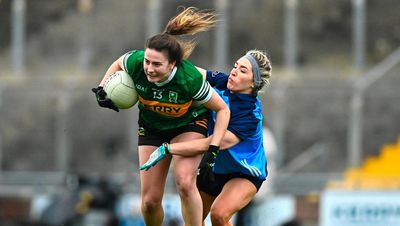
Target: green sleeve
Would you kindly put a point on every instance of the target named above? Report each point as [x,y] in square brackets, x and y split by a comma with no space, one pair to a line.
[133,61]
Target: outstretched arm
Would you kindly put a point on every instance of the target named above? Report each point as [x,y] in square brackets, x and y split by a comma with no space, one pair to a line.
[188,148]
[199,146]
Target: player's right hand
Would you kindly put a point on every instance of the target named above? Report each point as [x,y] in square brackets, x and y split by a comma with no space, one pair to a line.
[157,155]
[102,100]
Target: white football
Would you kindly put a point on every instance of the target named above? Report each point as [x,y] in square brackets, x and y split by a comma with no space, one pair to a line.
[121,90]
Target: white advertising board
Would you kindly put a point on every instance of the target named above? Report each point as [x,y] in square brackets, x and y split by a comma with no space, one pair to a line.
[360,208]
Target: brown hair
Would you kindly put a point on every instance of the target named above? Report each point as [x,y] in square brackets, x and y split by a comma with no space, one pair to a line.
[190,21]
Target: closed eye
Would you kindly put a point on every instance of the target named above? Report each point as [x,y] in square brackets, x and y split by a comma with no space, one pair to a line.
[243,69]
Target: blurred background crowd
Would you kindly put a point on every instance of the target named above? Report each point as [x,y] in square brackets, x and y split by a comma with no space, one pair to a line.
[332,112]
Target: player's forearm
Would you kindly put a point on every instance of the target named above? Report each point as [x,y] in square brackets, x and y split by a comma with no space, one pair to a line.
[190,148]
[116,66]
[221,123]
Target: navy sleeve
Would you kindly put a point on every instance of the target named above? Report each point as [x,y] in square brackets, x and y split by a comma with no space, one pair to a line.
[217,79]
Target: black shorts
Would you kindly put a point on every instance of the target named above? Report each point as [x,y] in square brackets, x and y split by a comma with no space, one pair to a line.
[153,137]
[214,188]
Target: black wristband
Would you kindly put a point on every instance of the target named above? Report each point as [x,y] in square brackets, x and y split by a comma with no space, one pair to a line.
[213,148]
[166,147]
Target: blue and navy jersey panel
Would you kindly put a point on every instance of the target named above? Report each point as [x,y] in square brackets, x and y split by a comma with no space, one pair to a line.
[248,155]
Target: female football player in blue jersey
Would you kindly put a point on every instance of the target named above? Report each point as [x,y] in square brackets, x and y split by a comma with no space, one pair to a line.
[229,179]
[173,107]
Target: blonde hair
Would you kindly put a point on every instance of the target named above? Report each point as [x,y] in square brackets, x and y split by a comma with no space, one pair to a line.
[264,64]
[189,22]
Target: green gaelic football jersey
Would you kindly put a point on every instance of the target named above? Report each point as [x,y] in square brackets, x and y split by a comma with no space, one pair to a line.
[172,103]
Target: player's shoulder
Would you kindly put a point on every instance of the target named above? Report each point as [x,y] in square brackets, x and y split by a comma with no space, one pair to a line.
[188,67]
[134,54]
[217,79]
[133,60]
[216,74]
[188,72]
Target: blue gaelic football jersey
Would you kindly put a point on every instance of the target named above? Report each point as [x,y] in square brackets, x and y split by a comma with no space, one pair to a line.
[248,155]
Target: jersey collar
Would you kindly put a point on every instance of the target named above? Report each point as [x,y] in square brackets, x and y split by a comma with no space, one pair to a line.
[170,77]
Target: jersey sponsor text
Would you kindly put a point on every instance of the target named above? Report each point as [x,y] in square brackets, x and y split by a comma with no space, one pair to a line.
[167,109]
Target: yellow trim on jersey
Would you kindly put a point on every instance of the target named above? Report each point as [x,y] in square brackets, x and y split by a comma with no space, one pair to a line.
[202,122]
[167,109]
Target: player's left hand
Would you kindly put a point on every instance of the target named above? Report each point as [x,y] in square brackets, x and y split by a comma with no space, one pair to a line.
[156,156]
[207,163]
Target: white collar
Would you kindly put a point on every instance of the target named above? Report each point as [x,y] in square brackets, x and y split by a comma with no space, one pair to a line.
[170,77]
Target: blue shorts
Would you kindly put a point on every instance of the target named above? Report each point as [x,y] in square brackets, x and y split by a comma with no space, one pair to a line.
[214,188]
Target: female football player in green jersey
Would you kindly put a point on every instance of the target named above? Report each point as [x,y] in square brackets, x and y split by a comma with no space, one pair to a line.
[173,107]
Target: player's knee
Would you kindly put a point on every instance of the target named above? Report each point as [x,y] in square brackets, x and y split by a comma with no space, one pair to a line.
[150,205]
[219,216]
[185,186]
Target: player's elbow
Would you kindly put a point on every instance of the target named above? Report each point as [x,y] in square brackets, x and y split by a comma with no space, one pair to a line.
[224,111]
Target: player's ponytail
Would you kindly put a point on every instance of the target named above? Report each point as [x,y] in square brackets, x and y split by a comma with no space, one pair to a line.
[189,22]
